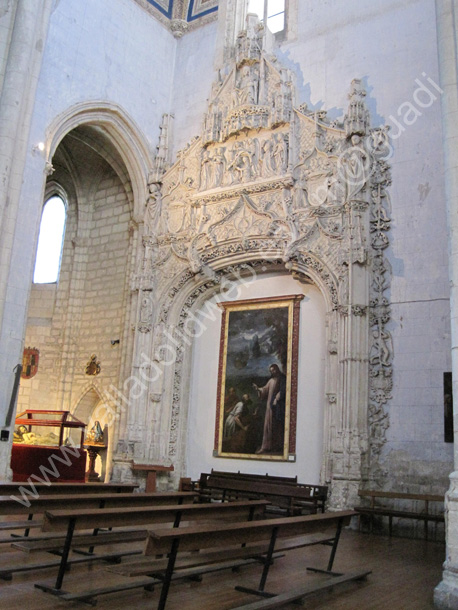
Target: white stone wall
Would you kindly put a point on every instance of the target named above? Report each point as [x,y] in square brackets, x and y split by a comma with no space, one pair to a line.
[91,58]
[7,12]
[98,308]
[110,51]
[194,68]
[114,52]
[310,399]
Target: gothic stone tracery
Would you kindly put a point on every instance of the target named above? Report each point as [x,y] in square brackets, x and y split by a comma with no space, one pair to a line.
[270,183]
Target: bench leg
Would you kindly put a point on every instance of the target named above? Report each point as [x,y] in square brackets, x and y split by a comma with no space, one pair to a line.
[65,553]
[168,574]
[63,562]
[335,542]
[334,545]
[267,563]
[29,518]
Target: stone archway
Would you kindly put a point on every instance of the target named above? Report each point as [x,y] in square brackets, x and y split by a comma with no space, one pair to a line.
[266,184]
[94,147]
[90,409]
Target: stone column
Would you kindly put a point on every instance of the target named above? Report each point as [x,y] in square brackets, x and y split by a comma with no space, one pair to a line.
[23,59]
[23,65]
[446,593]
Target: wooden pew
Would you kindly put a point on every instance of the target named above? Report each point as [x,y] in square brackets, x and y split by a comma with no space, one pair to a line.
[8,487]
[70,520]
[204,489]
[237,539]
[256,477]
[423,513]
[10,506]
[292,498]
[228,550]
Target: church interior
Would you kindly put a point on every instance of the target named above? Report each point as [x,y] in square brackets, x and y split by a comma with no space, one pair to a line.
[211,225]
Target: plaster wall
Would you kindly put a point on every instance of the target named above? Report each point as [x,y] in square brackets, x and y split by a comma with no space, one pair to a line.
[310,399]
[110,51]
[194,74]
[391,46]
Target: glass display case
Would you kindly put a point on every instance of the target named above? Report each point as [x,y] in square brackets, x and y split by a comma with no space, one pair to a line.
[48,428]
[51,440]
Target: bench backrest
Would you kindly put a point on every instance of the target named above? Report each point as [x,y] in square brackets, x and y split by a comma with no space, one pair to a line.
[8,487]
[55,521]
[265,488]
[203,537]
[10,506]
[394,495]
[255,477]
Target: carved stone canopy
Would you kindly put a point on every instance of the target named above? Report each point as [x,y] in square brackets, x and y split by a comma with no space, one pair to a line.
[270,181]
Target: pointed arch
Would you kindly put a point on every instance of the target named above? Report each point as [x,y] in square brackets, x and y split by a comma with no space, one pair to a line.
[120,130]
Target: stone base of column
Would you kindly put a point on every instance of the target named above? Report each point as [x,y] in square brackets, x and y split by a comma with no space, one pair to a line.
[446,592]
[6,474]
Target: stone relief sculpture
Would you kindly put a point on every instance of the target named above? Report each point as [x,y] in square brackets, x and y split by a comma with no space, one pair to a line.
[270,185]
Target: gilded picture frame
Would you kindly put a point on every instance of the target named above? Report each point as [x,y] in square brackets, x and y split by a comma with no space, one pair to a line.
[257,379]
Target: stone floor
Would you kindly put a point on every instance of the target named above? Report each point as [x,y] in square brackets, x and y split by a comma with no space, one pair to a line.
[404,574]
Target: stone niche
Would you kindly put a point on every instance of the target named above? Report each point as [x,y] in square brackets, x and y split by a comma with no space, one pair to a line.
[268,186]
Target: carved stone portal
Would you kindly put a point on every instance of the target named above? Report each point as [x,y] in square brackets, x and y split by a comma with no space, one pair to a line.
[268,185]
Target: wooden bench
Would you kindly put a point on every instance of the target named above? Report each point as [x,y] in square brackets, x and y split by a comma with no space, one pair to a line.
[8,487]
[203,488]
[235,545]
[10,506]
[259,539]
[256,477]
[46,541]
[422,513]
[69,521]
[289,497]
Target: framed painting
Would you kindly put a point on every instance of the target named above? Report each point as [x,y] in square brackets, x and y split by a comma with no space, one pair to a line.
[257,379]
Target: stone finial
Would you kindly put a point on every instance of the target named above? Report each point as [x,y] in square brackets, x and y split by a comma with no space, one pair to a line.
[357,119]
[249,42]
[161,159]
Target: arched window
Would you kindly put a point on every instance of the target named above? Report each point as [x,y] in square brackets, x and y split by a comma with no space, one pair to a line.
[50,240]
[271,12]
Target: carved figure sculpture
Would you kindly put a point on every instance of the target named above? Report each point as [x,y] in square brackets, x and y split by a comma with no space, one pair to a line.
[206,170]
[219,166]
[266,158]
[280,153]
[153,208]
[380,353]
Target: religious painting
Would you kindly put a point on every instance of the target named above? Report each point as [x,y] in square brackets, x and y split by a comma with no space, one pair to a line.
[257,379]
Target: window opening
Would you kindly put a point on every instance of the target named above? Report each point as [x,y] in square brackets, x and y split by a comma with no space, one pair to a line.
[271,12]
[50,241]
